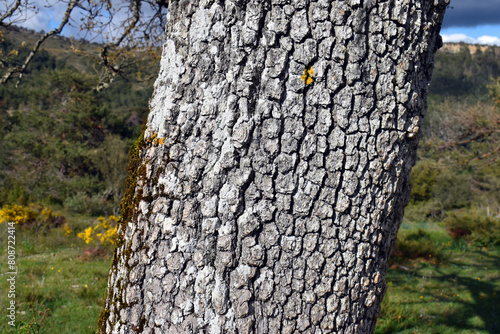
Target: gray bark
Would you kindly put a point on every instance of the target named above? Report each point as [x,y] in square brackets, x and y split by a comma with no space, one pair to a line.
[260,203]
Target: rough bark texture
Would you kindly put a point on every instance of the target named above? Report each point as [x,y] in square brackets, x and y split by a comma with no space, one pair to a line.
[258,202]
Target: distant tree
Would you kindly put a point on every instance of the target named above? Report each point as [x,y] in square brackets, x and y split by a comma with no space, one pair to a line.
[111,160]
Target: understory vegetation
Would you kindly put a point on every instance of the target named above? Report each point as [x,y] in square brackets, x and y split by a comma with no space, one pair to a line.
[444,275]
[63,164]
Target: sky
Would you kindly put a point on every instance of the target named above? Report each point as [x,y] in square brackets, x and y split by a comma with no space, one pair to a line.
[49,13]
[470,21]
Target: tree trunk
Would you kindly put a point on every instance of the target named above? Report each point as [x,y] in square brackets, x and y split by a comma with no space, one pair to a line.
[267,189]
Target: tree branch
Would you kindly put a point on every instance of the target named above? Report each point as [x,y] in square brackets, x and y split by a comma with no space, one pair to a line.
[466,141]
[486,154]
[136,8]
[9,13]
[27,61]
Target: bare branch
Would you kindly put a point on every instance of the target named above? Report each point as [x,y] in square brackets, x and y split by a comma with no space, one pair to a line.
[9,13]
[486,154]
[141,30]
[136,8]
[27,61]
[478,136]
[17,12]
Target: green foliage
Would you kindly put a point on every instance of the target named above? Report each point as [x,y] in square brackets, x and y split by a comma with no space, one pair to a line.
[423,177]
[458,167]
[476,227]
[110,160]
[415,244]
[84,203]
[494,88]
[459,72]
[452,189]
[64,144]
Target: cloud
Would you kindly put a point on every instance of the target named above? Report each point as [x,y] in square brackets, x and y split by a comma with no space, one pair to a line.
[43,17]
[471,13]
[489,40]
[37,23]
[457,38]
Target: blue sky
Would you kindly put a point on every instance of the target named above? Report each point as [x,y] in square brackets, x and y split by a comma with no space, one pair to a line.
[471,21]
[483,34]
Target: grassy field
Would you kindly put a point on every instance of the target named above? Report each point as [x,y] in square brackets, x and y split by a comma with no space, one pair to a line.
[61,284]
[459,292]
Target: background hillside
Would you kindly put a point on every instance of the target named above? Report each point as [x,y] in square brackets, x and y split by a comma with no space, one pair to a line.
[63,164]
[65,145]
[62,143]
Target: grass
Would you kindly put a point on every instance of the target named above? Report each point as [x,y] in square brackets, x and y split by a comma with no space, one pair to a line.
[60,287]
[458,293]
[61,284]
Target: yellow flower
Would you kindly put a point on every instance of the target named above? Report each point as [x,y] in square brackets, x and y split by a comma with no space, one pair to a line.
[26,214]
[46,212]
[86,235]
[104,232]
[67,230]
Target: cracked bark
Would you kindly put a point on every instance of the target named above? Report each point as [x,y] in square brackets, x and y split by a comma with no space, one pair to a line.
[260,203]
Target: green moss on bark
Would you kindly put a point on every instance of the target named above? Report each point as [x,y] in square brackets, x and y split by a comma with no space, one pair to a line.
[136,171]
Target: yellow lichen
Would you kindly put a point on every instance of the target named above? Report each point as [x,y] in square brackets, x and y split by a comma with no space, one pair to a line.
[154,140]
[307,76]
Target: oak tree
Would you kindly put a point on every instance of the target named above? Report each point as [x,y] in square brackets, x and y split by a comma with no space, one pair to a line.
[271,178]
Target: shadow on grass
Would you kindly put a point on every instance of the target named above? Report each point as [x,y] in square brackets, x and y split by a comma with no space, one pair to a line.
[469,299]
[485,297]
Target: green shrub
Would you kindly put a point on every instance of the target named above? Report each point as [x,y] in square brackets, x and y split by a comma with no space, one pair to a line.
[416,244]
[453,190]
[423,179]
[494,88]
[476,228]
[436,188]
[424,211]
[93,205]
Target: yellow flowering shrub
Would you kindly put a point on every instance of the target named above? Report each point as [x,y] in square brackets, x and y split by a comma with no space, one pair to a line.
[103,233]
[67,230]
[31,216]
[17,213]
